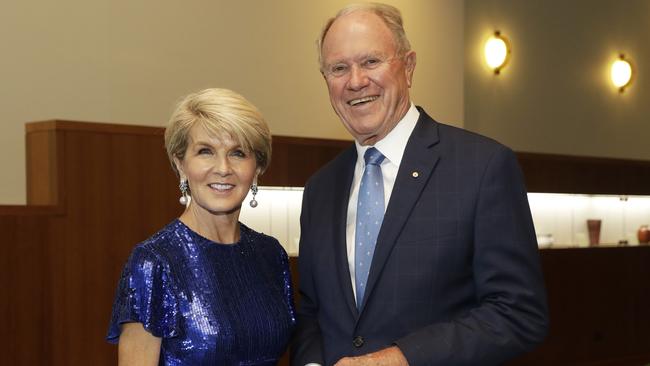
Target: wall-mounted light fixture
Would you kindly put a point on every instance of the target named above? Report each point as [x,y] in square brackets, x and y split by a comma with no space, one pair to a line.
[497,52]
[621,73]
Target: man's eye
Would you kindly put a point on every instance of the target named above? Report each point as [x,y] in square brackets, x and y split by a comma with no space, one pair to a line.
[338,69]
[371,62]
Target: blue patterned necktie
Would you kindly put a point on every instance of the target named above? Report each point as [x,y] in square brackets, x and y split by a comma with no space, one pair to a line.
[370,214]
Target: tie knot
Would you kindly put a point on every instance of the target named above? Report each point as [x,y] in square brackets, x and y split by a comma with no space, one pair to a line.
[373,156]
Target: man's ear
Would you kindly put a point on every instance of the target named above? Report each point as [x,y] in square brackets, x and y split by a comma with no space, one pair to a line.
[410,61]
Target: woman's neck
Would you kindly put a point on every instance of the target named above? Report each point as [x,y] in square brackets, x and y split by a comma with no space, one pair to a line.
[222,228]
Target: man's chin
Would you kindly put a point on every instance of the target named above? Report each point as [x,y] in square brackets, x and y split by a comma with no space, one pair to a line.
[369,138]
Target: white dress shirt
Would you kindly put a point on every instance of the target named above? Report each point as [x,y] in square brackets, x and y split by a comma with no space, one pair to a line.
[392,147]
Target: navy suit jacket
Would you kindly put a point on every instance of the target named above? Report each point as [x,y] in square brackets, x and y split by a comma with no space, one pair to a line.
[455,278]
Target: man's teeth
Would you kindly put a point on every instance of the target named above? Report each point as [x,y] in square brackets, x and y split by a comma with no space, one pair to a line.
[221,187]
[362,100]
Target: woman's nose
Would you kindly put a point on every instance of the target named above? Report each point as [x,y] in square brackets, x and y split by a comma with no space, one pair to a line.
[222,165]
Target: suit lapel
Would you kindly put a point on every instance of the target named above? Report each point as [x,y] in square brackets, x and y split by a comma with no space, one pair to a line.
[342,193]
[417,164]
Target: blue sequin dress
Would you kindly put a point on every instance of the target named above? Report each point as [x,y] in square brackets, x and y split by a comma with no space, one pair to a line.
[212,304]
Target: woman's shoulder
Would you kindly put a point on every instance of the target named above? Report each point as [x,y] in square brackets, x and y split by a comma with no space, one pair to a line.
[261,240]
[160,245]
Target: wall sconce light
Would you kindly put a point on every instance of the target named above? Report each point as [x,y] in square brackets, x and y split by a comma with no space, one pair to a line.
[497,52]
[621,73]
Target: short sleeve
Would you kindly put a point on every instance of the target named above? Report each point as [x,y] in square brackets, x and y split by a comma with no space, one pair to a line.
[145,295]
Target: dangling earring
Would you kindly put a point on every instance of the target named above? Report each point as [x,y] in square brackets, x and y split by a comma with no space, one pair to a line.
[253,202]
[185,197]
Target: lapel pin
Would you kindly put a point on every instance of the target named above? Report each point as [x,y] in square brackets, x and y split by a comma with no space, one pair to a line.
[415,174]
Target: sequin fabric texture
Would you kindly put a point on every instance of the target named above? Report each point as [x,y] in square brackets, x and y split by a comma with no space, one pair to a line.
[211,303]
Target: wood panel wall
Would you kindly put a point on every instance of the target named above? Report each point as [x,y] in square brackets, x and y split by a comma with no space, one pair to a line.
[102,189]
[95,190]
[588,175]
[599,303]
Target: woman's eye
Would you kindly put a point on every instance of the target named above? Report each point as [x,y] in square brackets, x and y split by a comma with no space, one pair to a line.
[239,153]
[204,150]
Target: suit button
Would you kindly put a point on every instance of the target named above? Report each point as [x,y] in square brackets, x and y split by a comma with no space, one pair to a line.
[357,341]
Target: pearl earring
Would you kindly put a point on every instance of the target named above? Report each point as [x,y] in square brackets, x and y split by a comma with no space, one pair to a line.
[253,202]
[185,197]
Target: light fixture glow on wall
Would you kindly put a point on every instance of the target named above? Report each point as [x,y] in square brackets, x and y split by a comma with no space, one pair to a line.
[621,73]
[497,52]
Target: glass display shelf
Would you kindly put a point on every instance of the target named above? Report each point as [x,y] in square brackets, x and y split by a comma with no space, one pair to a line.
[560,219]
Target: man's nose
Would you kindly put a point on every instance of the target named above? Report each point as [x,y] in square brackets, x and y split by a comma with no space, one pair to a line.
[358,78]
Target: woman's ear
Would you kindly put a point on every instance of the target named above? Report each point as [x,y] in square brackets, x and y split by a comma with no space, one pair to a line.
[179,167]
[258,170]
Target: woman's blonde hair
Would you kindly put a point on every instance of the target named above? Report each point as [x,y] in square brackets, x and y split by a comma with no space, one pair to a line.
[219,111]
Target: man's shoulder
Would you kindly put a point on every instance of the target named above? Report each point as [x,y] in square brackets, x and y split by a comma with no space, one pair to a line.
[452,137]
[461,135]
[456,145]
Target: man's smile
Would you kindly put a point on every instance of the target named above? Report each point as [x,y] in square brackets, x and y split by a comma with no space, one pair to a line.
[362,100]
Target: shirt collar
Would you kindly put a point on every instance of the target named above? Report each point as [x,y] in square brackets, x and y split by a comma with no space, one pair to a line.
[393,145]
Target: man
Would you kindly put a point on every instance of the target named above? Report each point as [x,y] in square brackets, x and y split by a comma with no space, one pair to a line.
[417,243]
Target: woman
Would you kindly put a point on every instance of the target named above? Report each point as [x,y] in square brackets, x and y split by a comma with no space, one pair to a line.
[206,289]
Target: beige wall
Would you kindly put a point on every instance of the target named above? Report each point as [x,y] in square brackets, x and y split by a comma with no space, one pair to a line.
[555,96]
[129,61]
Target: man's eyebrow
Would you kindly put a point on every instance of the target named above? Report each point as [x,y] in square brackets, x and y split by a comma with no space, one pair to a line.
[356,58]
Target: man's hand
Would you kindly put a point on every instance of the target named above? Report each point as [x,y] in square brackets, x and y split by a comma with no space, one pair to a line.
[391,356]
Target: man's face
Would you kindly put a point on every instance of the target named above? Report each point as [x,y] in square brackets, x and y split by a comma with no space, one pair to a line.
[368,81]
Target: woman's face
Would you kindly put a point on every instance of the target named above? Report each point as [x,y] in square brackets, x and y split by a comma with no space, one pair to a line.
[219,172]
